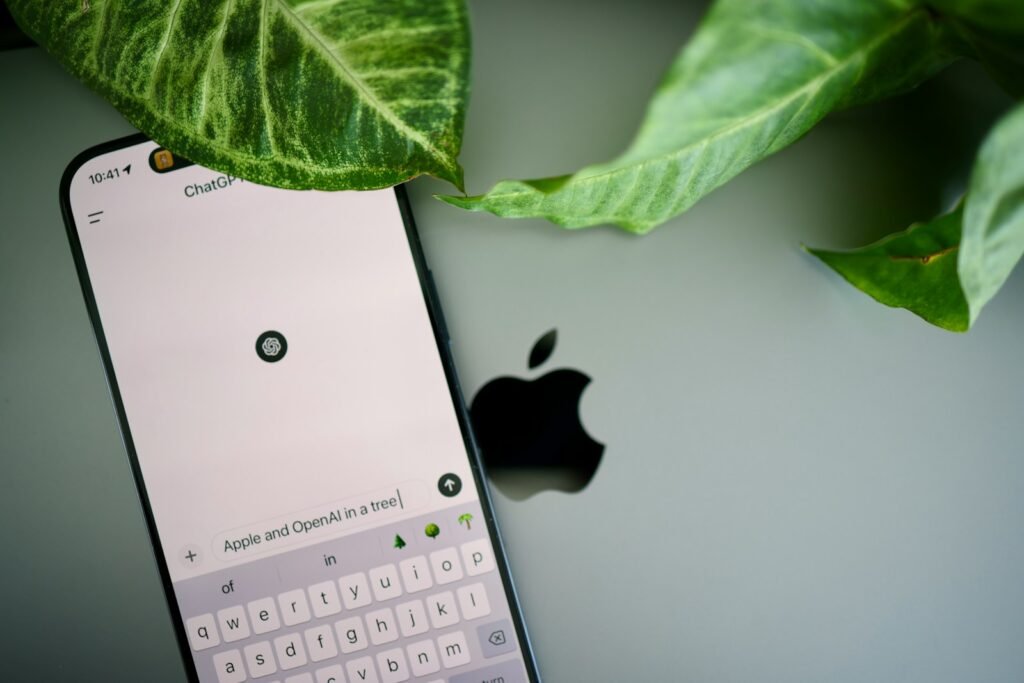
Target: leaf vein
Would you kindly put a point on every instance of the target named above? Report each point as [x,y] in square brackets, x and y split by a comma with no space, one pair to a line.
[795,39]
[367,93]
[264,94]
[410,31]
[215,49]
[161,51]
[97,40]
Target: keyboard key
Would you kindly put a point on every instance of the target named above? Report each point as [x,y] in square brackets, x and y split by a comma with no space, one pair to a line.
[361,671]
[415,574]
[442,610]
[446,566]
[478,557]
[320,643]
[294,608]
[381,626]
[233,624]
[299,678]
[330,674]
[385,582]
[509,671]
[454,649]
[228,666]
[202,632]
[324,598]
[263,614]
[392,666]
[351,634]
[412,618]
[473,601]
[496,638]
[259,657]
[355,592]
[423,658]
[290,652]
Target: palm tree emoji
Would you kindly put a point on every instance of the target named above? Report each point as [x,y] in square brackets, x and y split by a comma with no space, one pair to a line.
[466,519]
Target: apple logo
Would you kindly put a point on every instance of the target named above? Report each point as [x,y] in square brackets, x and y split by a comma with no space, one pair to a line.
[529,431]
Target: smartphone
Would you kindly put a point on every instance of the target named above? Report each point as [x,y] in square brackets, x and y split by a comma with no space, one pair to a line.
[281,374]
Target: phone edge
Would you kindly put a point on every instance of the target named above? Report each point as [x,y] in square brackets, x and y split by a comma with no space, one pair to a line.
[114,391]
[441,338]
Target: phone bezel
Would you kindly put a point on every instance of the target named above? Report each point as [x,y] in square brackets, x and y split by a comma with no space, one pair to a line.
[439,328]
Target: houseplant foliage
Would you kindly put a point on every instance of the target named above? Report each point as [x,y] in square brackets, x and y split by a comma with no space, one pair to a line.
[358,94]
[947,269]
[755,77]
[327,94]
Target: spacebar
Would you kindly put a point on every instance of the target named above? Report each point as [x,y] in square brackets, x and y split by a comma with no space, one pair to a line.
[504,672]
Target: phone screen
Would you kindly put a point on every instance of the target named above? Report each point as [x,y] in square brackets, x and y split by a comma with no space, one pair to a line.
[289,412]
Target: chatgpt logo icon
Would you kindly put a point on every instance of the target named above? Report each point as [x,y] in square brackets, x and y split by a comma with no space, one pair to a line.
[271,346]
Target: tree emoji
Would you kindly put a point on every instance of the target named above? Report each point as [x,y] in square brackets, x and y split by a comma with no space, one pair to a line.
[466,519]
[432,530]
[399,542]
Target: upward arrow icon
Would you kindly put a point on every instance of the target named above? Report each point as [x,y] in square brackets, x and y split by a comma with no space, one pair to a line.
[449,485]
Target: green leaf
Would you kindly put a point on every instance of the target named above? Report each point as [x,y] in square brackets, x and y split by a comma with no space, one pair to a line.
[947,270]
[914,269]
[757,75]
[327,94]
[993,232]
[997,16]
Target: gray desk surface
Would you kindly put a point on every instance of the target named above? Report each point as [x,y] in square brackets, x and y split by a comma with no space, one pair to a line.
[799,484]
